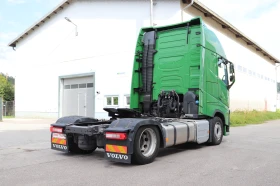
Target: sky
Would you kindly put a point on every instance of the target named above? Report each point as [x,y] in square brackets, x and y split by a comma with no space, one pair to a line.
[15,17]
[257,19]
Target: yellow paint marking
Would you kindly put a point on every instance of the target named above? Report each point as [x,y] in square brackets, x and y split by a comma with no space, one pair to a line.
[116,148]
[121,149]
[111,148]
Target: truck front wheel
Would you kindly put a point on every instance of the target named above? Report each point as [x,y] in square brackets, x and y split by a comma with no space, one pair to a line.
[146,145]
[217,130]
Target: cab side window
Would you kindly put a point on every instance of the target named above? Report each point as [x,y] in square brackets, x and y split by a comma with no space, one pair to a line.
[222,72]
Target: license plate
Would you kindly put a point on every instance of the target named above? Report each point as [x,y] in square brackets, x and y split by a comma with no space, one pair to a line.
[59,142]
[123,158]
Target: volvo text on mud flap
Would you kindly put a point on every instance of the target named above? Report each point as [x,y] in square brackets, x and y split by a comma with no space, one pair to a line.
[124,158]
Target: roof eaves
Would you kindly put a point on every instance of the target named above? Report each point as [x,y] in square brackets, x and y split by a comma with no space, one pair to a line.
[40,22]
[196,4]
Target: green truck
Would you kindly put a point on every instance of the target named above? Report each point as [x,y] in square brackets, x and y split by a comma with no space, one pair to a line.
[179,94]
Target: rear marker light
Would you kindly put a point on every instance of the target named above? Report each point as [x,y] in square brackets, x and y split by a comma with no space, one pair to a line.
[116,135]
[55,129]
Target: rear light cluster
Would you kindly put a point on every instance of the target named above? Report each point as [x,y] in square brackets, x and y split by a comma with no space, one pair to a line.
[56,129]
[116,135]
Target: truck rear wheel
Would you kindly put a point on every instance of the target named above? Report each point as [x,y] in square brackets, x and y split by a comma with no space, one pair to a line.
[217,130]
[146,145]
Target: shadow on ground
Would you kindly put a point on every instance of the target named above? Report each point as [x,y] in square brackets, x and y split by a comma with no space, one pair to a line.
[179,148]
[100,156]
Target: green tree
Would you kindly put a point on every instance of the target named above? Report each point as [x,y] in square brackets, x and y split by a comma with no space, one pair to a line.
[6,88]
[3,83]
[9,93]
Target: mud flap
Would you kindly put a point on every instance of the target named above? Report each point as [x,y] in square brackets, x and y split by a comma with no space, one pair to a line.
[59,142]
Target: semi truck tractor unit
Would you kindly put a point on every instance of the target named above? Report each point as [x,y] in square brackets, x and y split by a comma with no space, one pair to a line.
[179,94]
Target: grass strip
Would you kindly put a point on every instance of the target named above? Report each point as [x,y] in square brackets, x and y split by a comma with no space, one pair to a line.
[242,118]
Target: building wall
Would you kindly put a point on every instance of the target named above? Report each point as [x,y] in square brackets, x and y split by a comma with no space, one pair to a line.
[107,31]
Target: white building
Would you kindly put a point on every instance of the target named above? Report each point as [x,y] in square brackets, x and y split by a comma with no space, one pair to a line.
[63,69]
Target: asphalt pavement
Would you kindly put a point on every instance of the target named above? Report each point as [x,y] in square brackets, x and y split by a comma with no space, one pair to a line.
[249,156]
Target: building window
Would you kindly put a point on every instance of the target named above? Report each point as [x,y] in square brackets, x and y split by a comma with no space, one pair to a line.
[127,100]
[74,86]
[83,85]
[240,68]
[112,100]
[89,85]
[66,86]
[250,72]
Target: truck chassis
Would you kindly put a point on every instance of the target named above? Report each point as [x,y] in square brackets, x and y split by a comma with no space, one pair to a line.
[133,139]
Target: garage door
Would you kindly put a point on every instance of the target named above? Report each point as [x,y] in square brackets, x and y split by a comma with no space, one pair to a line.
[78,96]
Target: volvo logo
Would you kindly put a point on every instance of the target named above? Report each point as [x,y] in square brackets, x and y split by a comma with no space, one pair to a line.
[59,146]
[117,156]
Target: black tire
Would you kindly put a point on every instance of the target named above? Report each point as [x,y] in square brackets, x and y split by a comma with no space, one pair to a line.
[216,125]
[73,148]
[141,157]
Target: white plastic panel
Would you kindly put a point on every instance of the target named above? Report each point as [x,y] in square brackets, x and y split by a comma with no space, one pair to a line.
[169,135]
[202,131]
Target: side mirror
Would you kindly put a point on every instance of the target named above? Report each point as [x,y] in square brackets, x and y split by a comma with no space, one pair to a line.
[231,68]
[232,75]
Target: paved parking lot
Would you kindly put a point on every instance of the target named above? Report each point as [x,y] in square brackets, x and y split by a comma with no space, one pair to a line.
[249,156]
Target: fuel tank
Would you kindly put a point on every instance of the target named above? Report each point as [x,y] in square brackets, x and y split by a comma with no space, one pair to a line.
[183,131]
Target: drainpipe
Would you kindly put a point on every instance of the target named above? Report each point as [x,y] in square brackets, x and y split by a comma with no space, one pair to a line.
[151,13]
[276,66]
[185,9]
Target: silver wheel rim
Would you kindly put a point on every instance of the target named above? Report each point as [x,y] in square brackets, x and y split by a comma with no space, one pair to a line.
[147,142]
[218,131]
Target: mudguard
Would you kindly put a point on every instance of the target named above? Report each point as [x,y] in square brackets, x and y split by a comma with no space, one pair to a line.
[131,125]
[61,141]
[63,121]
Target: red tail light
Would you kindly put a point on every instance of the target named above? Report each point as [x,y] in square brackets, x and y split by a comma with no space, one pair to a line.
[116,135]
[55,129]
